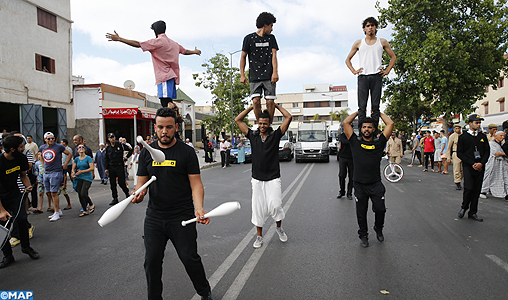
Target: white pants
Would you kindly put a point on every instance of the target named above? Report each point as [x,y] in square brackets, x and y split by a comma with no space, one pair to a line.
[266,201]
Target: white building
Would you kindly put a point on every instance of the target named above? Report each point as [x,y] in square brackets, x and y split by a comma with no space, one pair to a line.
[35,67]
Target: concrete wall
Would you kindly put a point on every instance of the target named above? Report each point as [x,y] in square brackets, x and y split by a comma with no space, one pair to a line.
[89,129]
[20,39]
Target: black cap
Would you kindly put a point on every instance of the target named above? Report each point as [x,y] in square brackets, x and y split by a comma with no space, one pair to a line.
[474,117]
[111,135]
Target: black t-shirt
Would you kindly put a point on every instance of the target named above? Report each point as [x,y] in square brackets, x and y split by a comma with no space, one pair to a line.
[265,155]
[9,172]
[345,148]
[259,50]
[367,158]
[171,193]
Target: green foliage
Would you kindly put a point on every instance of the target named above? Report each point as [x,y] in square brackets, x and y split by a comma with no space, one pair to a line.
[340,115]
[217,78]
[447,52]
[316,117]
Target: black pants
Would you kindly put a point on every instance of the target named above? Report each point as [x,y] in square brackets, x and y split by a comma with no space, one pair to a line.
[472,188]
[224,158]
[376,192]
[373,84]
[416,154]
[346,168]
[165,101]
[12,205]
[117,172]
[429,155]
[33,193]
[157,233]
[82,189]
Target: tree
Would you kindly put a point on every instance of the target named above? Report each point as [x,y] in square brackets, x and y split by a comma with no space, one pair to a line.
[447,53]
[316,117]
[217,78]
[340,115]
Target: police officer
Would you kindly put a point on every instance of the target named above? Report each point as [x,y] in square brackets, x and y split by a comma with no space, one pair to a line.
[474,151]
[114,161]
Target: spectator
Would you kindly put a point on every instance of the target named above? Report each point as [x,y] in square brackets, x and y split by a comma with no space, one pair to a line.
[99,163]
[82,170]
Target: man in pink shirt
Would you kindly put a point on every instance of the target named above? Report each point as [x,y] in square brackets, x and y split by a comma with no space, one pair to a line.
[164,53]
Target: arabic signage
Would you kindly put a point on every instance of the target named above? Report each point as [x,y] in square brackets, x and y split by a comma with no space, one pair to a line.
[119,113]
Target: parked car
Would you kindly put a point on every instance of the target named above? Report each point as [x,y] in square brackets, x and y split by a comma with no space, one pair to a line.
[286,147]
[233,157]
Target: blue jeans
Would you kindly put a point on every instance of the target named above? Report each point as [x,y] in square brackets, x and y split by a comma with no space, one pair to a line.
[372,83]
[158,231]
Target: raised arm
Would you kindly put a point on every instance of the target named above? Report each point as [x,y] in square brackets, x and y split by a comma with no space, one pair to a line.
[348,129]
[114,37]
[389,125]
[287,118]
[239,120]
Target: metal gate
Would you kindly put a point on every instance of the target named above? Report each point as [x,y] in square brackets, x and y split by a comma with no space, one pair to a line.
[62,123]
[32,122]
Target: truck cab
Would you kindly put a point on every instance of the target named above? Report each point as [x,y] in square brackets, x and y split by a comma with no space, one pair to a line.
[312,142]
[286,146]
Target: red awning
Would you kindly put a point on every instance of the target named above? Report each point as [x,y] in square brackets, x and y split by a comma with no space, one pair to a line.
[119,113]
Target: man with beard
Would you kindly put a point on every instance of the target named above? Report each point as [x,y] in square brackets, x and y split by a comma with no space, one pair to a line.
[13,164]
[114,162]
[266,183]
[164,53]
[370,73]
[367,151]
[176,195]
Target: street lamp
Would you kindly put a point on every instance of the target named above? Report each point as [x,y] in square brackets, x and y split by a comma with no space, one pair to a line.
[231,78]
[332,105]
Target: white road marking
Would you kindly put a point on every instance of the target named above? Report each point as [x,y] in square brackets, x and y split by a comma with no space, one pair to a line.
[228,262]
[498,261]
[235,289]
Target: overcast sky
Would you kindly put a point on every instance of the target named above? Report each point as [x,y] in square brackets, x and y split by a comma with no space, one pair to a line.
[314,38]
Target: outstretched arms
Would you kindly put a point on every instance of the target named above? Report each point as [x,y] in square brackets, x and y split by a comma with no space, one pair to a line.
[114,37]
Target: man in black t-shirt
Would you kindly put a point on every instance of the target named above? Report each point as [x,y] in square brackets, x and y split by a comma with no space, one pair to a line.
[14,164]
[346,167]
[176,195]
[261,47]
[266,184]
[367,151]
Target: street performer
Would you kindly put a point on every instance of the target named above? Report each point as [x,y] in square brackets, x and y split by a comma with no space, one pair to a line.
[367,152]
[176,195]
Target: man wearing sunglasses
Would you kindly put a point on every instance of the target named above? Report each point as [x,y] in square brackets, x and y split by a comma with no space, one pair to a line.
[53,176]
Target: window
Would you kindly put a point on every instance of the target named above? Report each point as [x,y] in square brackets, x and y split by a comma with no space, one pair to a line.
[338,104]
[486,109]
[46,19]
[501,82]
[487,89]
[44,64]
[501,106]
[295,104]
[309,104]
[323,104]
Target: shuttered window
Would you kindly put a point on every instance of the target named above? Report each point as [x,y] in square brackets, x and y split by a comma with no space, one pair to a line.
[44,64]
[46,19]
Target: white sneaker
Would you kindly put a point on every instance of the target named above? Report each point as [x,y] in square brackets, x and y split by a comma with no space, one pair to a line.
[59,212]
[483,196]
[282,235]
[56,217]
[51,216]
[258,242]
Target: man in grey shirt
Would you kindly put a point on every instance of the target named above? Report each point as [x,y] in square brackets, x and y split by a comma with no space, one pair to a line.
[416,151]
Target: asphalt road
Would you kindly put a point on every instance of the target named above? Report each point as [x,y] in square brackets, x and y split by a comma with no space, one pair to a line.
[428,253]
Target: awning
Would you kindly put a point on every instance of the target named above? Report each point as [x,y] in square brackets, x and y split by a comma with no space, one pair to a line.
[500,99]
[117,110]
[146,113]
[485,103]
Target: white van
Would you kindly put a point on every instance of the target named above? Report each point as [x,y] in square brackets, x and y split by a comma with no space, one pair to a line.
[312,141]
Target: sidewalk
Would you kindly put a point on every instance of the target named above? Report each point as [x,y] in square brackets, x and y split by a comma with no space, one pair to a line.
[204,165]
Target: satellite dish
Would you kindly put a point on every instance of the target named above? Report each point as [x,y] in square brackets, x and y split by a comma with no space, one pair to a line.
[129,84]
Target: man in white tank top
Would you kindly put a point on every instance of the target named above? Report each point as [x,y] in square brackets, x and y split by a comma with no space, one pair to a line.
[371,71]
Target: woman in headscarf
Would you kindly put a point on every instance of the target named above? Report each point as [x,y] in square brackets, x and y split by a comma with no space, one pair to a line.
[496,169]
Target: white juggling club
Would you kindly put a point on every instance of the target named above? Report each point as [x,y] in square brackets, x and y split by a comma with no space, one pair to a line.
[221,210]
[114,212]
[157,155]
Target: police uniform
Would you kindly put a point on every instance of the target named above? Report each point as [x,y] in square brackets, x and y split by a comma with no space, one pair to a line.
[114,164]
[451,154]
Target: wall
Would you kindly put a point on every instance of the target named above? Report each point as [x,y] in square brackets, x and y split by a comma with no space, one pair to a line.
[89,129]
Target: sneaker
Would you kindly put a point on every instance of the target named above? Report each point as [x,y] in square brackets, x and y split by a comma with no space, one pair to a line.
[31,252]
[258,242]
[55,217]
[14,241]
[282,235]
[31,232]
[51,216]
[59,213]
[483,195]
[379,234]
[364,241]
[207,297]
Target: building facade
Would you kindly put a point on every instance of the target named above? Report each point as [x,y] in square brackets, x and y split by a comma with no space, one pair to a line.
[492,106]
[35,67]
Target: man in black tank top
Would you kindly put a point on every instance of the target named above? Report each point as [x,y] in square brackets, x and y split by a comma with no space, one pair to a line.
[370,72]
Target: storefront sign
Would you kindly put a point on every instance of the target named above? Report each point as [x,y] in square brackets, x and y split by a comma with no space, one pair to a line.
[119,113]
